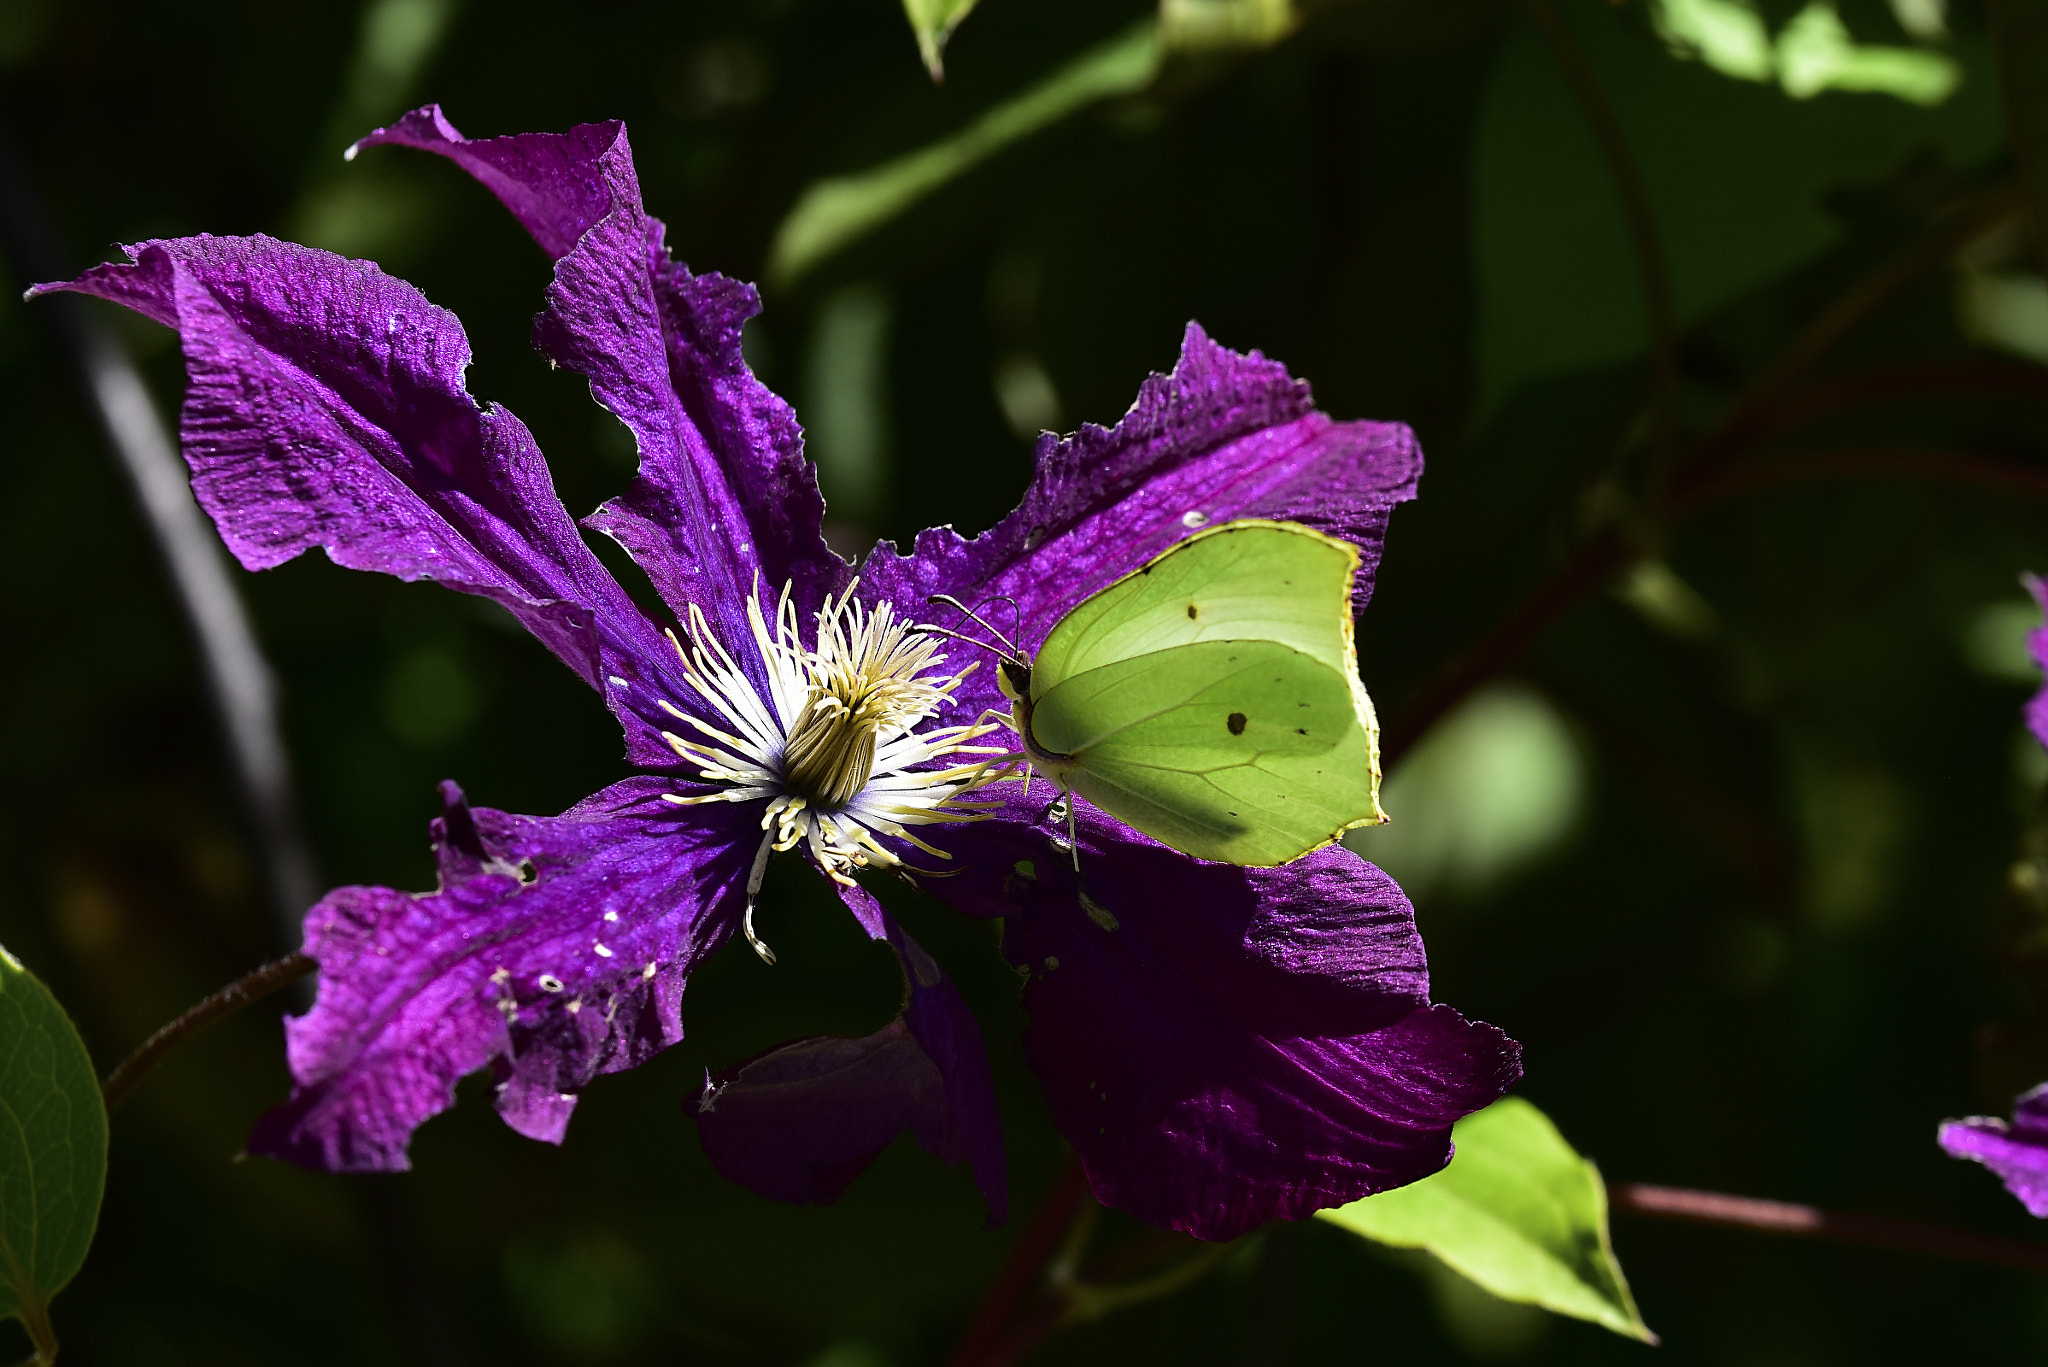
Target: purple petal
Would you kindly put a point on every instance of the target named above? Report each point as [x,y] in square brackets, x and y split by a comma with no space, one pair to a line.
[555,949]
[2037,643]
[327,408]
[1223,437]
[1225,1046]
[800,1122]
[723,489]
[2022,1164]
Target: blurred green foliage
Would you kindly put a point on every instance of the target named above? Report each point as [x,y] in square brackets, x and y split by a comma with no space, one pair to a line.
[1777,944]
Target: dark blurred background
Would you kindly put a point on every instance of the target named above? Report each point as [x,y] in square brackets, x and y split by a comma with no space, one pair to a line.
[1728,848]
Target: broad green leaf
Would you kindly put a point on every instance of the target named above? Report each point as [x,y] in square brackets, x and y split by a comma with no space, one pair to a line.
[1518,1212]
[834,212]
[53,1147]
[933,21]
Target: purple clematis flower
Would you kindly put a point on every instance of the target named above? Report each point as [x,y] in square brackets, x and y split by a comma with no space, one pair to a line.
[2018,1152]
[1221,1045]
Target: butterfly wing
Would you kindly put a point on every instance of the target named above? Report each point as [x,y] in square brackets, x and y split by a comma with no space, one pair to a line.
[1249,752]
[1251,580]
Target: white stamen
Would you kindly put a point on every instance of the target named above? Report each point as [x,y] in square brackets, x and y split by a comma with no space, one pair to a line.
[833,748]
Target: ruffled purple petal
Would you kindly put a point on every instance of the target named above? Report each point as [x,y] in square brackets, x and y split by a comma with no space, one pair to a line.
[723,489]
[1225,1046]
[800,1122]
[327,408]
[1224,436]
[2018,1152]
[555,949]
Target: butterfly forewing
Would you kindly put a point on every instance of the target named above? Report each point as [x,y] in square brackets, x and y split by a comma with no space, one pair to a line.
[1249,580]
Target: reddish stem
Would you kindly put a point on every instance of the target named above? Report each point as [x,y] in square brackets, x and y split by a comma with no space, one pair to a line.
[218,1007]
[1811,1222]
[1021,1271]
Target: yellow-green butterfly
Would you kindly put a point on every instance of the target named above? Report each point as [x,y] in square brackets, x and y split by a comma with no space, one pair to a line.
[1210,698]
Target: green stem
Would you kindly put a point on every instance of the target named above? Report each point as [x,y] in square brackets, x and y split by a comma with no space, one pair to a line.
[35,1317]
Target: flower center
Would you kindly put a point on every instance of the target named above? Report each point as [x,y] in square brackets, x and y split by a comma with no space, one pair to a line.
[864,679]
[834,747]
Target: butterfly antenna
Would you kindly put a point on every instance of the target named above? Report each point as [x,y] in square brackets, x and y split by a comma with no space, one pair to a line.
[950,601]
[1016,617]
[971,640]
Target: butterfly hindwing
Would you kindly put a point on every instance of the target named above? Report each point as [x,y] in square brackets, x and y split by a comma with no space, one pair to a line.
[1248,752]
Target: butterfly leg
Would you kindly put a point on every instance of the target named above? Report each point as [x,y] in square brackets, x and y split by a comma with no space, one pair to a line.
[1062,808]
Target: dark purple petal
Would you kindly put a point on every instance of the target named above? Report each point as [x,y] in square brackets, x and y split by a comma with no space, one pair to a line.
[555,949]
[1225,1046]
[2018,1152]
[800,1122]
[723,489]
[1223,437]
[327,408]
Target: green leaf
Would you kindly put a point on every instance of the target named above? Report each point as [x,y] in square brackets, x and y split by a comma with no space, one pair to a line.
[1518,1212]
[53,1150]
[834,212]
[933,21]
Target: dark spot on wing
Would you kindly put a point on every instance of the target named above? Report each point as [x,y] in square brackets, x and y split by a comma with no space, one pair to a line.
[1235,721]
[1301,730]
[1191,612]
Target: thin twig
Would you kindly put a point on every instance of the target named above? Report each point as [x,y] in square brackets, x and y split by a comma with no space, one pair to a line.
[1658,310]
[1942,467]
[1811,1222]
[238,679]
[218,1007]
[1747,422]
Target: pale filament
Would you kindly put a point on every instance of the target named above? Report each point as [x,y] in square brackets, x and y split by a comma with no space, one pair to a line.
[833,747]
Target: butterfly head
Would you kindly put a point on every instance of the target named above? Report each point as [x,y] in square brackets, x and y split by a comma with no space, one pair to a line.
[1013,666]
[1013,677]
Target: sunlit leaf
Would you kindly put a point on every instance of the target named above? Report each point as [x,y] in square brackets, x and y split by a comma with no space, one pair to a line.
[1728,35]
[1519,1212]
[836,211]
[1192,25]
[1816,53]
[933,21]
[53,1148]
